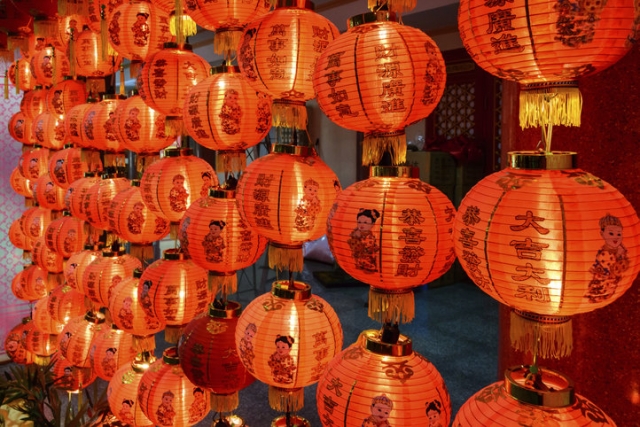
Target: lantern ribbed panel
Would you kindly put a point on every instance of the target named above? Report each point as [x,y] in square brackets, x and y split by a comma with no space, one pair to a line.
[492,406]
[77,264]
[49,66]
[34,221]
[127,312]
[60,36]
[73,124]
[48,194]
[33,102]
[168,398]
[21,185]
[98,199]
[312,324]
[359,383]
[93,12]
[26,81]
[174,290]
[71,378]
[40,343]
[99,129]
[217,238]
[75,339]
[45,323]
[66,235]
[228,15]
[379,77]
[546,41]
[224,112]
[286,197]
[130,218]
[110,350]
[64,303]
[166,5]
[45,258]
[106,272]
[65,95]
[69,165]
[31,284]
[17,236]
[90,60]
[14,345]
[141,128]
[35,163]
[74,197]
[20,128]
[138,30]
[532,240]
[123,397]
[168,75]
[278,51]
[170,185]
[48,130]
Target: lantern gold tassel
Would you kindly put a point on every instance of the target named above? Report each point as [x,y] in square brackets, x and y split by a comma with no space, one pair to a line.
[397,306]
[41,360]
[45,28]
[547,336]
[142,252]
[285,257]
[6,85]
[227,283]
[285,399]
[226,40]
[375,145]
[224,402]
[104,32]
[142,343]
[174,125]
[290,114]
[399,6]
[72,53]
[550,105]
[172,334]
[188,26]
[231,161]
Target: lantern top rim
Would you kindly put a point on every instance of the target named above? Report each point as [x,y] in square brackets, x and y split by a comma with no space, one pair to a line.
[111,97]
[561,393]
[534,160]
[232,310]
[296,150]
[174,45]
[178,152]
[174,255]
[66,213]
[299,4]
[170,356]
[296,291]
[142,362]
[137,273]
[94,317]
[135,183]
[371,17]
[221,193]
[371,340]
[93,246]
[390,171]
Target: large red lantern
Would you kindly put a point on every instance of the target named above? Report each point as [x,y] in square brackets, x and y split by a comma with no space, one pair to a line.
[373,382]
[21,185]
[14,344]
[65,95]
[70,164]
[105,272]
[378,78]
[550,241]
[91,61]
[167,397]
[285,196]
[66,235]
[286,338]
[219,240]
[71,378]
[44,322]
[65,303]
[123,391]
[40,335]
[75,339]
[17,236]
[78,263]
[99,129]
[547,46]
[45,258]
[20,128]
[516,401]
[110,350]
[48,130]
[48,194]
[35,163]
[49,66]
[34,102]
[34,221]
[32,283]
[98,198]
[22,77]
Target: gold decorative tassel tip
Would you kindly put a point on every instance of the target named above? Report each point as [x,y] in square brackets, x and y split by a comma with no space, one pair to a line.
[174,229]
[174,125]
[6,85]
[290,114]
[286,400]
[172,334]
[46,27]
[399,6]
[42,360]
[391,306]
[140,343]
[226,41]
[227,283]
[375,145]
[231,161]
[285,257]
[104,32]
[188,26]
[545,336]
[550,105]
[224,402]
[142,252]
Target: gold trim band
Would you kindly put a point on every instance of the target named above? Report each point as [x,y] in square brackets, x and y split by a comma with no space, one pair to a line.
[371,17]
[560,391]
[170,356]
[390,171]
[533,160]
[231,311]
[372,341]
[300,291]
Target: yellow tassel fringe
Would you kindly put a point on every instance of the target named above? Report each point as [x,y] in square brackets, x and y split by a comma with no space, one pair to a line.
[391,306]
[142,252]
[555,339]
[375,145]
[286,400]
[140,343]
[224,402]
[231,161]
[289,114]
[72,53]
[174,125]
[222,282]
[188,28]
[75,7]
[225,42]
[172,334]
[285,258]
[6,85]
[41,360]
[45,27]
[104,33]
[550,106]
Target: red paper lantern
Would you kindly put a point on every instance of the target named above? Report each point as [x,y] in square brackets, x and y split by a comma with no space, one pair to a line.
[123,392]
[20,128]
[171,184]
[35,163]
[41,333]
[44,322]
[78,263]
[372,382]
[90,59]
[75,339]
[111,349]
[34,283]
[167,397]
[67,25]
[21,75]
[17,236]
[66,235]
[45,258]
[174,290]
[65,95]
[208,355]
[48,130]
[73,124]
[286,338]
[71,378]
[49,66]
[34,221]
[14,345]
[48,194]
[34,102]
[550,241]
[546,46]
[65,303]
[99,129]
[217,239]
[141,128]
[21,185]
[99,11]
[224,113]
[74,197]
[378,78]
[69,165]
[285,196]
[106,272]
[98,199]
[514,402]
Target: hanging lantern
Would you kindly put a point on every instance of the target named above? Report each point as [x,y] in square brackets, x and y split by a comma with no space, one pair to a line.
[22,77]
[110,350]
[65,95]
[78,263]
[220,240]
[141,128]
[45,258]
[99,125]
[378,78]
[48,194]
[224,113]
[285,196]
[14,345]
[167,397]
[278,52]
[98,13]
[123,391]
[547,47]
[70,164]
[174,290]
[70,377]
[21,185]
[34,221]
[42,344]
[73,124]
[208,355]
[75,339]
[48,130]
[66,27]
[34,102]
[550,241]
[66,235]
[286,338]
[18,238]
[170,185]
[49,66]
[43,322]
[65,303]
[106,272]
[20,129]
[91,61]
[373,382]
[35,163]
[516,400]
[32,284]
[98,198]
[128,314]
[74,197]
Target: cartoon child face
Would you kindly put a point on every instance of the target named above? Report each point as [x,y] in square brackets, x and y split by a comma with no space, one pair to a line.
[612,235]
[310,190]
[282,348]
[178,182]
[249,334]
[167,400]
[214,229]
[133,113]
[141,19]
[126,304]
[138,208]
[434,417]
[125,406]
[12,346]
[206,181]
[364,223]
[380,411]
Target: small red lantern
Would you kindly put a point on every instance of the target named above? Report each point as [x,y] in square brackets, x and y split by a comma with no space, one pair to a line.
[49,66]
[45,258]
[167,397]
[18,238]
[48,130]
[141,128]
[48,194]
[66,27]
[65,303]
[71,378]
[378,78]
[20,129]
[66,235]
[285,196]
[73,122]
[43,321]
[98,198]
[217,369]
[74,197]
[91,61]
[14,344]
[174,290]
[373,382]
[123,392]
[35,163]
[34,221]
[21,185]
[286,338]
[40,342]
[78,263]
[99,129]
[106,272]
[110,350]
[34,102]
[31,284]
[69,165]
[171,184]
[75,339]
[65,95]
[22,77]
